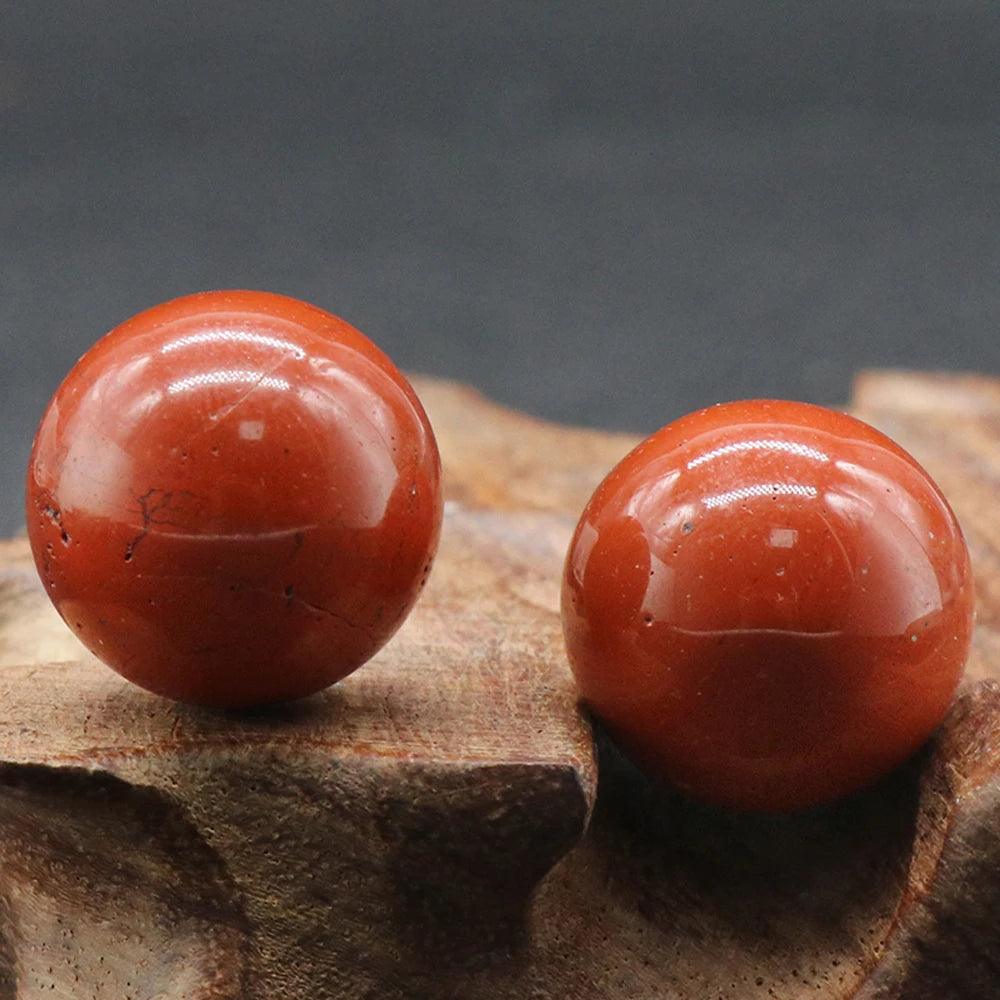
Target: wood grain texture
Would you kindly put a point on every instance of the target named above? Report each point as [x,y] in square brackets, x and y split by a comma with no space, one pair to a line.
[418,831]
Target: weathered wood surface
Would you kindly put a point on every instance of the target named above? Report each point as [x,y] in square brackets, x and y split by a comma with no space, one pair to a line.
[415,832]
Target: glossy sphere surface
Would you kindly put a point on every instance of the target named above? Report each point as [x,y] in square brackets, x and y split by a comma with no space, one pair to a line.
[234,498]
[769,604]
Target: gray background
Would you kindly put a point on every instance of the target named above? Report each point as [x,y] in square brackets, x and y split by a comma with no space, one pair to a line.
[607,214]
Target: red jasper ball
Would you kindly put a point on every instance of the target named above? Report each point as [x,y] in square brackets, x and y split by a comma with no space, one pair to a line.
[768,604]
[234,498]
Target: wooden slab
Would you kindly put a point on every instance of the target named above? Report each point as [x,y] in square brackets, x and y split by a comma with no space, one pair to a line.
[418,831]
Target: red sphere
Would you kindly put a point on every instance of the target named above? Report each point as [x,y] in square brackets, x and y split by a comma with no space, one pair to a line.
[768,604]
[234,498]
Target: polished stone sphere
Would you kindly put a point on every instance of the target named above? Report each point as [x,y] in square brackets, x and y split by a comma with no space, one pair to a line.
[234,498]
[768,604]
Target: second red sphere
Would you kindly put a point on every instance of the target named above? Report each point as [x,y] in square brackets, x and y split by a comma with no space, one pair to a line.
[769,604]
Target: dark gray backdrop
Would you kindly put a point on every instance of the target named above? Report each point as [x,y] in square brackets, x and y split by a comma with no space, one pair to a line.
[602,213]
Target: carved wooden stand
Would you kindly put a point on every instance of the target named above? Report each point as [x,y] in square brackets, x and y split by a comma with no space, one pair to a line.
[421,830]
